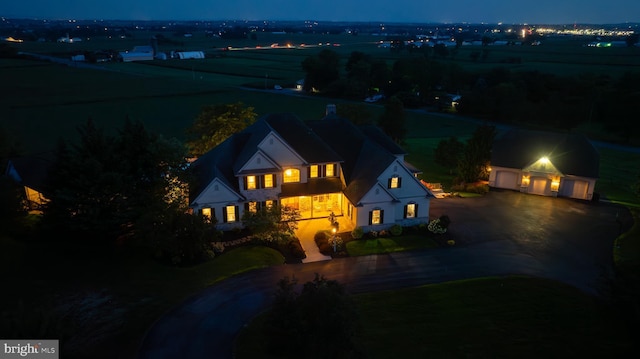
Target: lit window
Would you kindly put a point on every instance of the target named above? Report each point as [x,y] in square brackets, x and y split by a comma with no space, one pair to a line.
[253,207]
[329,171]
[394,182]
[291,175]
[313,171]
[206,212]
[376,216]
[411,210]
[269,203]
[268,181]
[251,182]
[230,212]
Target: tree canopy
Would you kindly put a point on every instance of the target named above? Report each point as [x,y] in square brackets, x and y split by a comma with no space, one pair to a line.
[392,120]
[321,321]
[216,123]
[103,185]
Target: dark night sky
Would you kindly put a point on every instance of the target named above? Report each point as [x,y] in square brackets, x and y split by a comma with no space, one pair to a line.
[471,11]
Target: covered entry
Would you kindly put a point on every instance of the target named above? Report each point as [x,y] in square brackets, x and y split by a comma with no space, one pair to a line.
[316,206]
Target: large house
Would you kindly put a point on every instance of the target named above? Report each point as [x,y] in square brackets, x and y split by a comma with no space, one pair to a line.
[316,167]
[545,163]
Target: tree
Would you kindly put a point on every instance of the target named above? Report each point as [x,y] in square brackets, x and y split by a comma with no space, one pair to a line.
[178,237]
[448,153]
[320,321]
[104,184]
[477,154]
[216,123]
[392,120]
[270,222]
[321,70]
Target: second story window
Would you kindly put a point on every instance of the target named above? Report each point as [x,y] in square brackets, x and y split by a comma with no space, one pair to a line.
[330,170]
[268,181]
[251,182]
[313,171]
[291,175]
[395,182]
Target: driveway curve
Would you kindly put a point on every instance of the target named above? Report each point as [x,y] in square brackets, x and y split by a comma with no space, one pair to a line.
[501,233]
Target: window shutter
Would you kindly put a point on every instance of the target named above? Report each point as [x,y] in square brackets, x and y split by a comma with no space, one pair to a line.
[389,183]
[399,182]
[405,211]
[416,210]
[370,217]
[273,177]
[261,182]
[244,179]
[237,214]
[381,216]
[224,214]
[323,170]
[309,172]
[246,207]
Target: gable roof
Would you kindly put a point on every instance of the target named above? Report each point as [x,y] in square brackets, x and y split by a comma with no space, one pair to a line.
[570,153]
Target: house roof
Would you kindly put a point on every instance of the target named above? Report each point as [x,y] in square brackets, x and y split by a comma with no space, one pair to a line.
[226,160]
[364,152]
[31,171]
[570,153]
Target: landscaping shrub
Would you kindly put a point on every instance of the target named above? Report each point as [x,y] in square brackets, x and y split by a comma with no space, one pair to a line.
[296,251]
[357,233]
[396,230]
[439,225]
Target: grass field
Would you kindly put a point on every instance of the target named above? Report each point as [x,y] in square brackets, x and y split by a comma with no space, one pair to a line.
[41,102]
[513,317]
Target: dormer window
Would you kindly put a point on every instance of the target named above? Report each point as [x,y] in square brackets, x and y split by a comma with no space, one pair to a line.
[291,175]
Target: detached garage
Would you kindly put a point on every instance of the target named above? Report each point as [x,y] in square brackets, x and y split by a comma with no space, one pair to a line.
[544,163]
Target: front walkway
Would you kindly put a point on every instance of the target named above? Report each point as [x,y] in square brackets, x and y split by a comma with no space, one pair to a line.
[306,231]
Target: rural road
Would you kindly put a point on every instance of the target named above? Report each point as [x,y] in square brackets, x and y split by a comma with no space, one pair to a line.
[499,234]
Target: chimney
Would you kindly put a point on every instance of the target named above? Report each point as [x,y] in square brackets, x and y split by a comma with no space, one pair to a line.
[331,109]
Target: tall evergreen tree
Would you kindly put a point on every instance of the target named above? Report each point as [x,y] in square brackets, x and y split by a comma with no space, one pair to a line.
[392,120]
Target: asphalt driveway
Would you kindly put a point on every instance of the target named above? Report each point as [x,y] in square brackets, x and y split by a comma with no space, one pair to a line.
[501,233]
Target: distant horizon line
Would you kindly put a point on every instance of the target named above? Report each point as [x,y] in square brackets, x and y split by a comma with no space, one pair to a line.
[318,20]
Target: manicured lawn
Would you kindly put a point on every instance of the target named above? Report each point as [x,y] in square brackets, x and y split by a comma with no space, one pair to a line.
[380,245]
[514,317]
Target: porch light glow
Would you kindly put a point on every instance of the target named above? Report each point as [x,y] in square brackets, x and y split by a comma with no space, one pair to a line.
[555,184]
[544,160]
[287,172]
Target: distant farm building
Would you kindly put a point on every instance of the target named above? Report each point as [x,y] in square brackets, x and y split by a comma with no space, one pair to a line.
[139,53]
[185,55]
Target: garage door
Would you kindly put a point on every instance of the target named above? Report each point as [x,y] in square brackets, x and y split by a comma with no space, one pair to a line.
[506,179]
[575,189]
[538,186]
